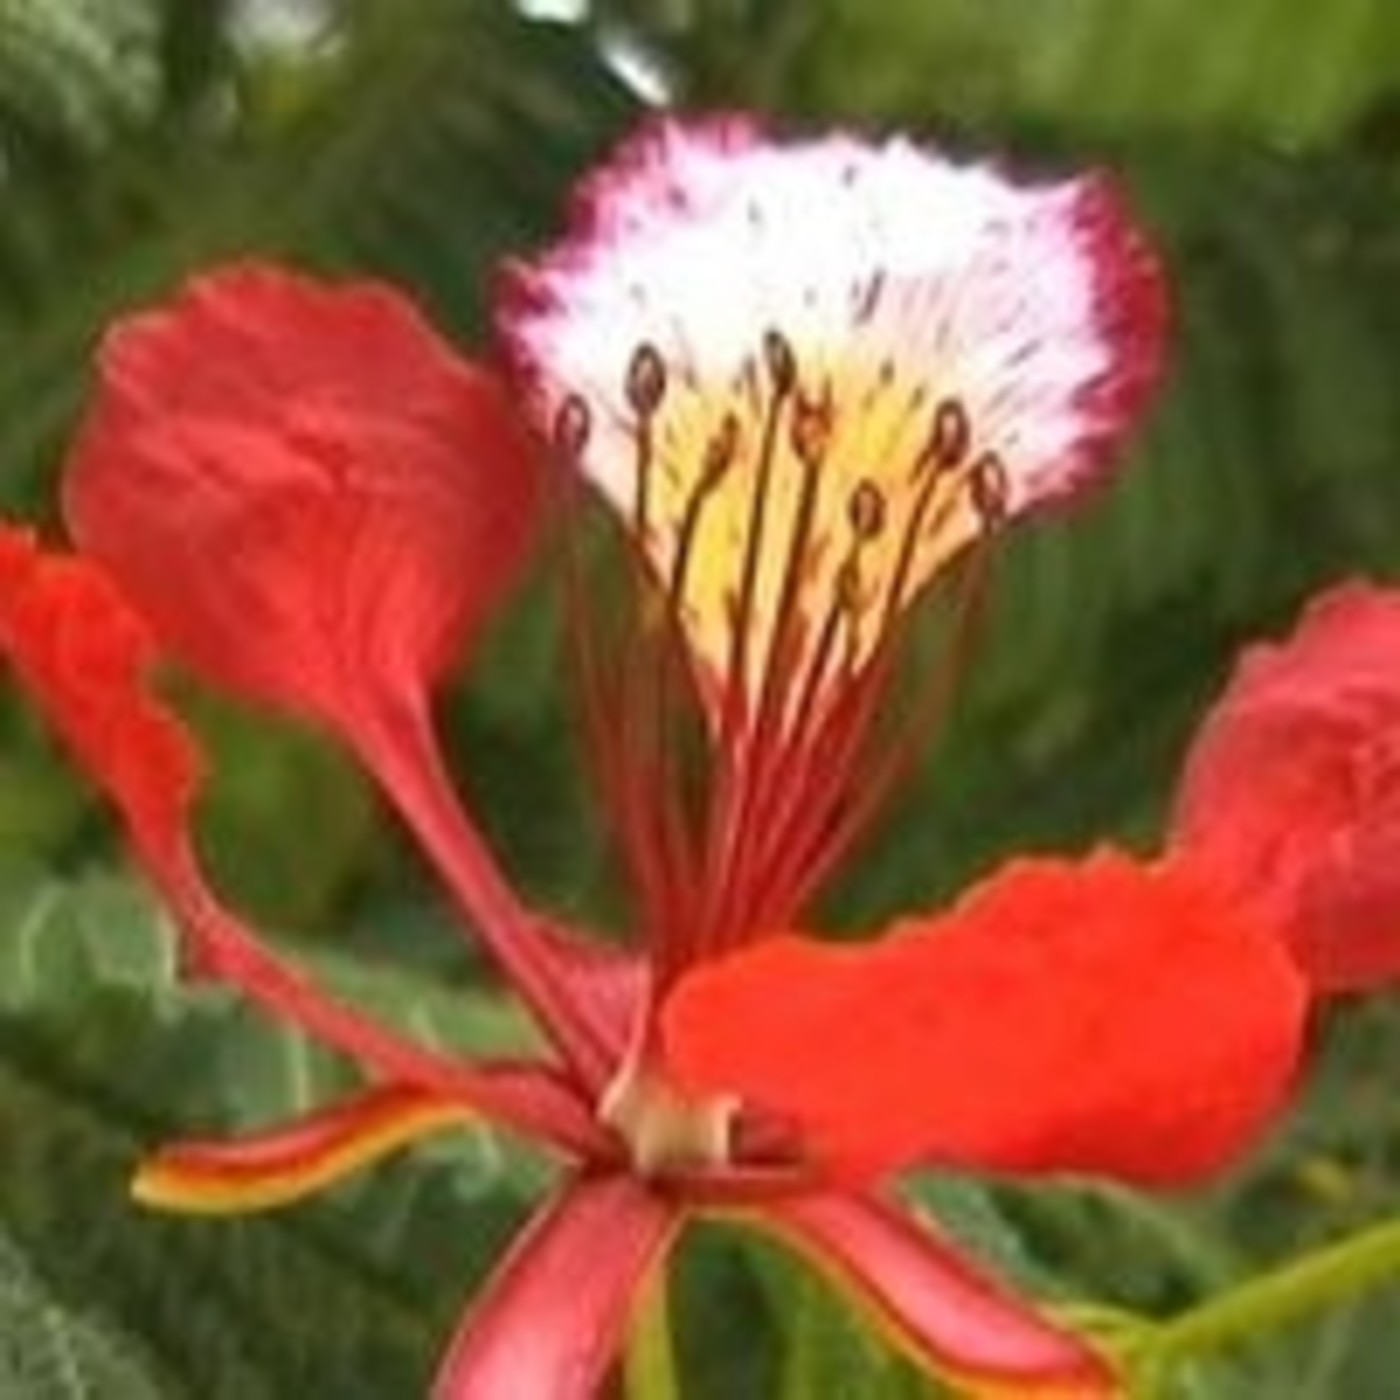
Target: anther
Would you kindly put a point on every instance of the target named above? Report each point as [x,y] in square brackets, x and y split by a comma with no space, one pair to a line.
[812,423]
[865,509]
[950,436]
[781,362]
[646,380]
[988,486]
[573,425]
[719,452]
[847,585]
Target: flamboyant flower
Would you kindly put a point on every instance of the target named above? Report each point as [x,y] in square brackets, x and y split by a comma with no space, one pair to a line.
[1291,794]
[810,384]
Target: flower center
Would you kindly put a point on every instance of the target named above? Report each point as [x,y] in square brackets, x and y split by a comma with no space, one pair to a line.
[792,514]
[664,1130]
[785,521]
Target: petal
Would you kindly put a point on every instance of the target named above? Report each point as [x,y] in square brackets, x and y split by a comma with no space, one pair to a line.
[552,1319]
[83,654]
[583,996]
[308,495]
[1291,791]
[1039,1026]
[314,502]
[875,387]
[1349,633]
[76,645]
[285,1164]
[933,1304]
[1040,307]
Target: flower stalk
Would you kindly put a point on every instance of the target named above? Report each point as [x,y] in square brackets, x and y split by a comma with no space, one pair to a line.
[1309,1284]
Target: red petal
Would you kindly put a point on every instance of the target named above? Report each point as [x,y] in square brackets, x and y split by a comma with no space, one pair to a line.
[310,497]
[313,501]
[529,1100]
[1102,1017]
[76,645]
[584,997]
[553,1317]
[932,1303]
[1291,792]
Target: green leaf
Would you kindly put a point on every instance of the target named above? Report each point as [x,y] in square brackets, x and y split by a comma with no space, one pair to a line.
[399,155]
[50,1350]
[77,71]
[1285,70]
[825,1347]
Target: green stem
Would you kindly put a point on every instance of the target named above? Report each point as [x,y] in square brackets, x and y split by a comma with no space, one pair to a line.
[1309,1284]
[650,1365]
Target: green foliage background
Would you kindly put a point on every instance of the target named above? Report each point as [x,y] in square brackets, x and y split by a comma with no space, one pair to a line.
[422,139]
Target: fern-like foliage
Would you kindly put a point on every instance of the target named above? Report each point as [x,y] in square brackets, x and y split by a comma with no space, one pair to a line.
[398,148]
[75,73]
[50,1350]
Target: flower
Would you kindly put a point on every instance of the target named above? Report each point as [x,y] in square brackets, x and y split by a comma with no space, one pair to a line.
[1291,793]
[812,382]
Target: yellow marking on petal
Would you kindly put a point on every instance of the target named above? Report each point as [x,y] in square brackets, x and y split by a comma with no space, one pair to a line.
[976,1389]
[283,1165]
[800,501]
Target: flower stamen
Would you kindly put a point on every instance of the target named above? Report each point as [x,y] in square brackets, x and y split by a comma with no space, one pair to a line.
[664,1131]
[797,486]
[780,533]
[797,463]
[719,456]
[744,617]
[645,389]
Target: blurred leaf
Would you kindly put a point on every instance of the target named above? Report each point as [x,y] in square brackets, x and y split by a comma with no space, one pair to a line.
[1285,70]
[76,71]
[50,1351]
[399,154]
[970,1212]
[288,821]
[825,1346]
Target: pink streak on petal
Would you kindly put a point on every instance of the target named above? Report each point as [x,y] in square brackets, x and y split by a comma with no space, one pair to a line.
[931,1302]
[225,950]
[551,1321]
[583,1003]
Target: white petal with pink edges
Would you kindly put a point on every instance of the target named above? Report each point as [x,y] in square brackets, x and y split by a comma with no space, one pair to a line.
[1038,305]
[840,359]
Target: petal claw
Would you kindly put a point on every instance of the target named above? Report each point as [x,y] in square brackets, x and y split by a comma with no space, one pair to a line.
[283,1165]
[932,1304]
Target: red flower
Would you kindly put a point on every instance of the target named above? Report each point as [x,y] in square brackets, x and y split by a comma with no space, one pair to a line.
[1291,794]
[300,493]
